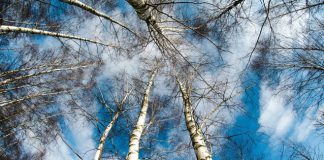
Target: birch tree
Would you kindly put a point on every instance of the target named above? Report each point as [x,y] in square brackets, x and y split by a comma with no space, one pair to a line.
[133,153]
[86,36]
[197,138]
[24,98]
[116,115]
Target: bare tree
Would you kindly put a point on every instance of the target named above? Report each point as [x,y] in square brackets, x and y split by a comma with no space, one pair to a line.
[117,113]
[88,35]
[197,138]
[139,127]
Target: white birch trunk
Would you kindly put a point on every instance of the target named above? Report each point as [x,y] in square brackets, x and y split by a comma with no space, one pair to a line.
[95,12]
[26,69]
[4,28]
[104,137]
[139,127]
[110,125]
[144,12]
[196,135]
[31,96]
[7,81]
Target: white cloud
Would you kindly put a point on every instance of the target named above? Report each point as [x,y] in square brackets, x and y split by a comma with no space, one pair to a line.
[82,133]
[276,117]
[303,130]
[290,27]
[113,67]
[305,127]
[285,122]
[279,120]
[57,150]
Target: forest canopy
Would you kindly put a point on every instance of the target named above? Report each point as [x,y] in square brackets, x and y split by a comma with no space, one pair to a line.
[161,79]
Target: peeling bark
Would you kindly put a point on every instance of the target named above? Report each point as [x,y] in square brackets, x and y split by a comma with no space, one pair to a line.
[197,138]
[139,127]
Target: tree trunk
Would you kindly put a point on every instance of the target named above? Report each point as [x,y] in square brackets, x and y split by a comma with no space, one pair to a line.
[31,96]
[4,28]
[144,12]
[104,137]
[139,127]
[75,67]
[97,13]
[196,135]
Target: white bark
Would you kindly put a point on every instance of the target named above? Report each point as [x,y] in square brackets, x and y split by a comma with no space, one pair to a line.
[26,69]
[104,137]
[144,12]
[97,13]
[4,28]
[7,81]
[31,96]
[139,127]
[196,135]
[110,125]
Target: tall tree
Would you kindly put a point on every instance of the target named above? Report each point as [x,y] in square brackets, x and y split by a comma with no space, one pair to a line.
[56,52]
[134,142]
[197,138]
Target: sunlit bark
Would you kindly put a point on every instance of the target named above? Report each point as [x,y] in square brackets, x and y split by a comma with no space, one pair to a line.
[194,130]
[97,13]
[31,96]
[4,28]
[139,127]
[105,135]
[10,80]
[144,12]
[109,126]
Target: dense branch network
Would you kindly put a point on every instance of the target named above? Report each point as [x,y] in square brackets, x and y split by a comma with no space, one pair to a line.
[34,84]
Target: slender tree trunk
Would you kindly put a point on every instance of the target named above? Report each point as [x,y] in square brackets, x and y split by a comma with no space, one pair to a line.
[104,136]
[4,28]
[196,135]
[31,96]
[139,127]
[29,68]
[110,125]
[10,80]
[97,13]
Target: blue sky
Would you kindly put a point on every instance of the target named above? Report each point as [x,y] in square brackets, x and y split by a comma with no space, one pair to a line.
[261,124]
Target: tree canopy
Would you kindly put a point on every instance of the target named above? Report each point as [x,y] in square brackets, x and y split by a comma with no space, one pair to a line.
[161,79]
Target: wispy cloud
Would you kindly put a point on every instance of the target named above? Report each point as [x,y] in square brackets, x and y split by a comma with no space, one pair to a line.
[58,150]
[280,120]
[276,117]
